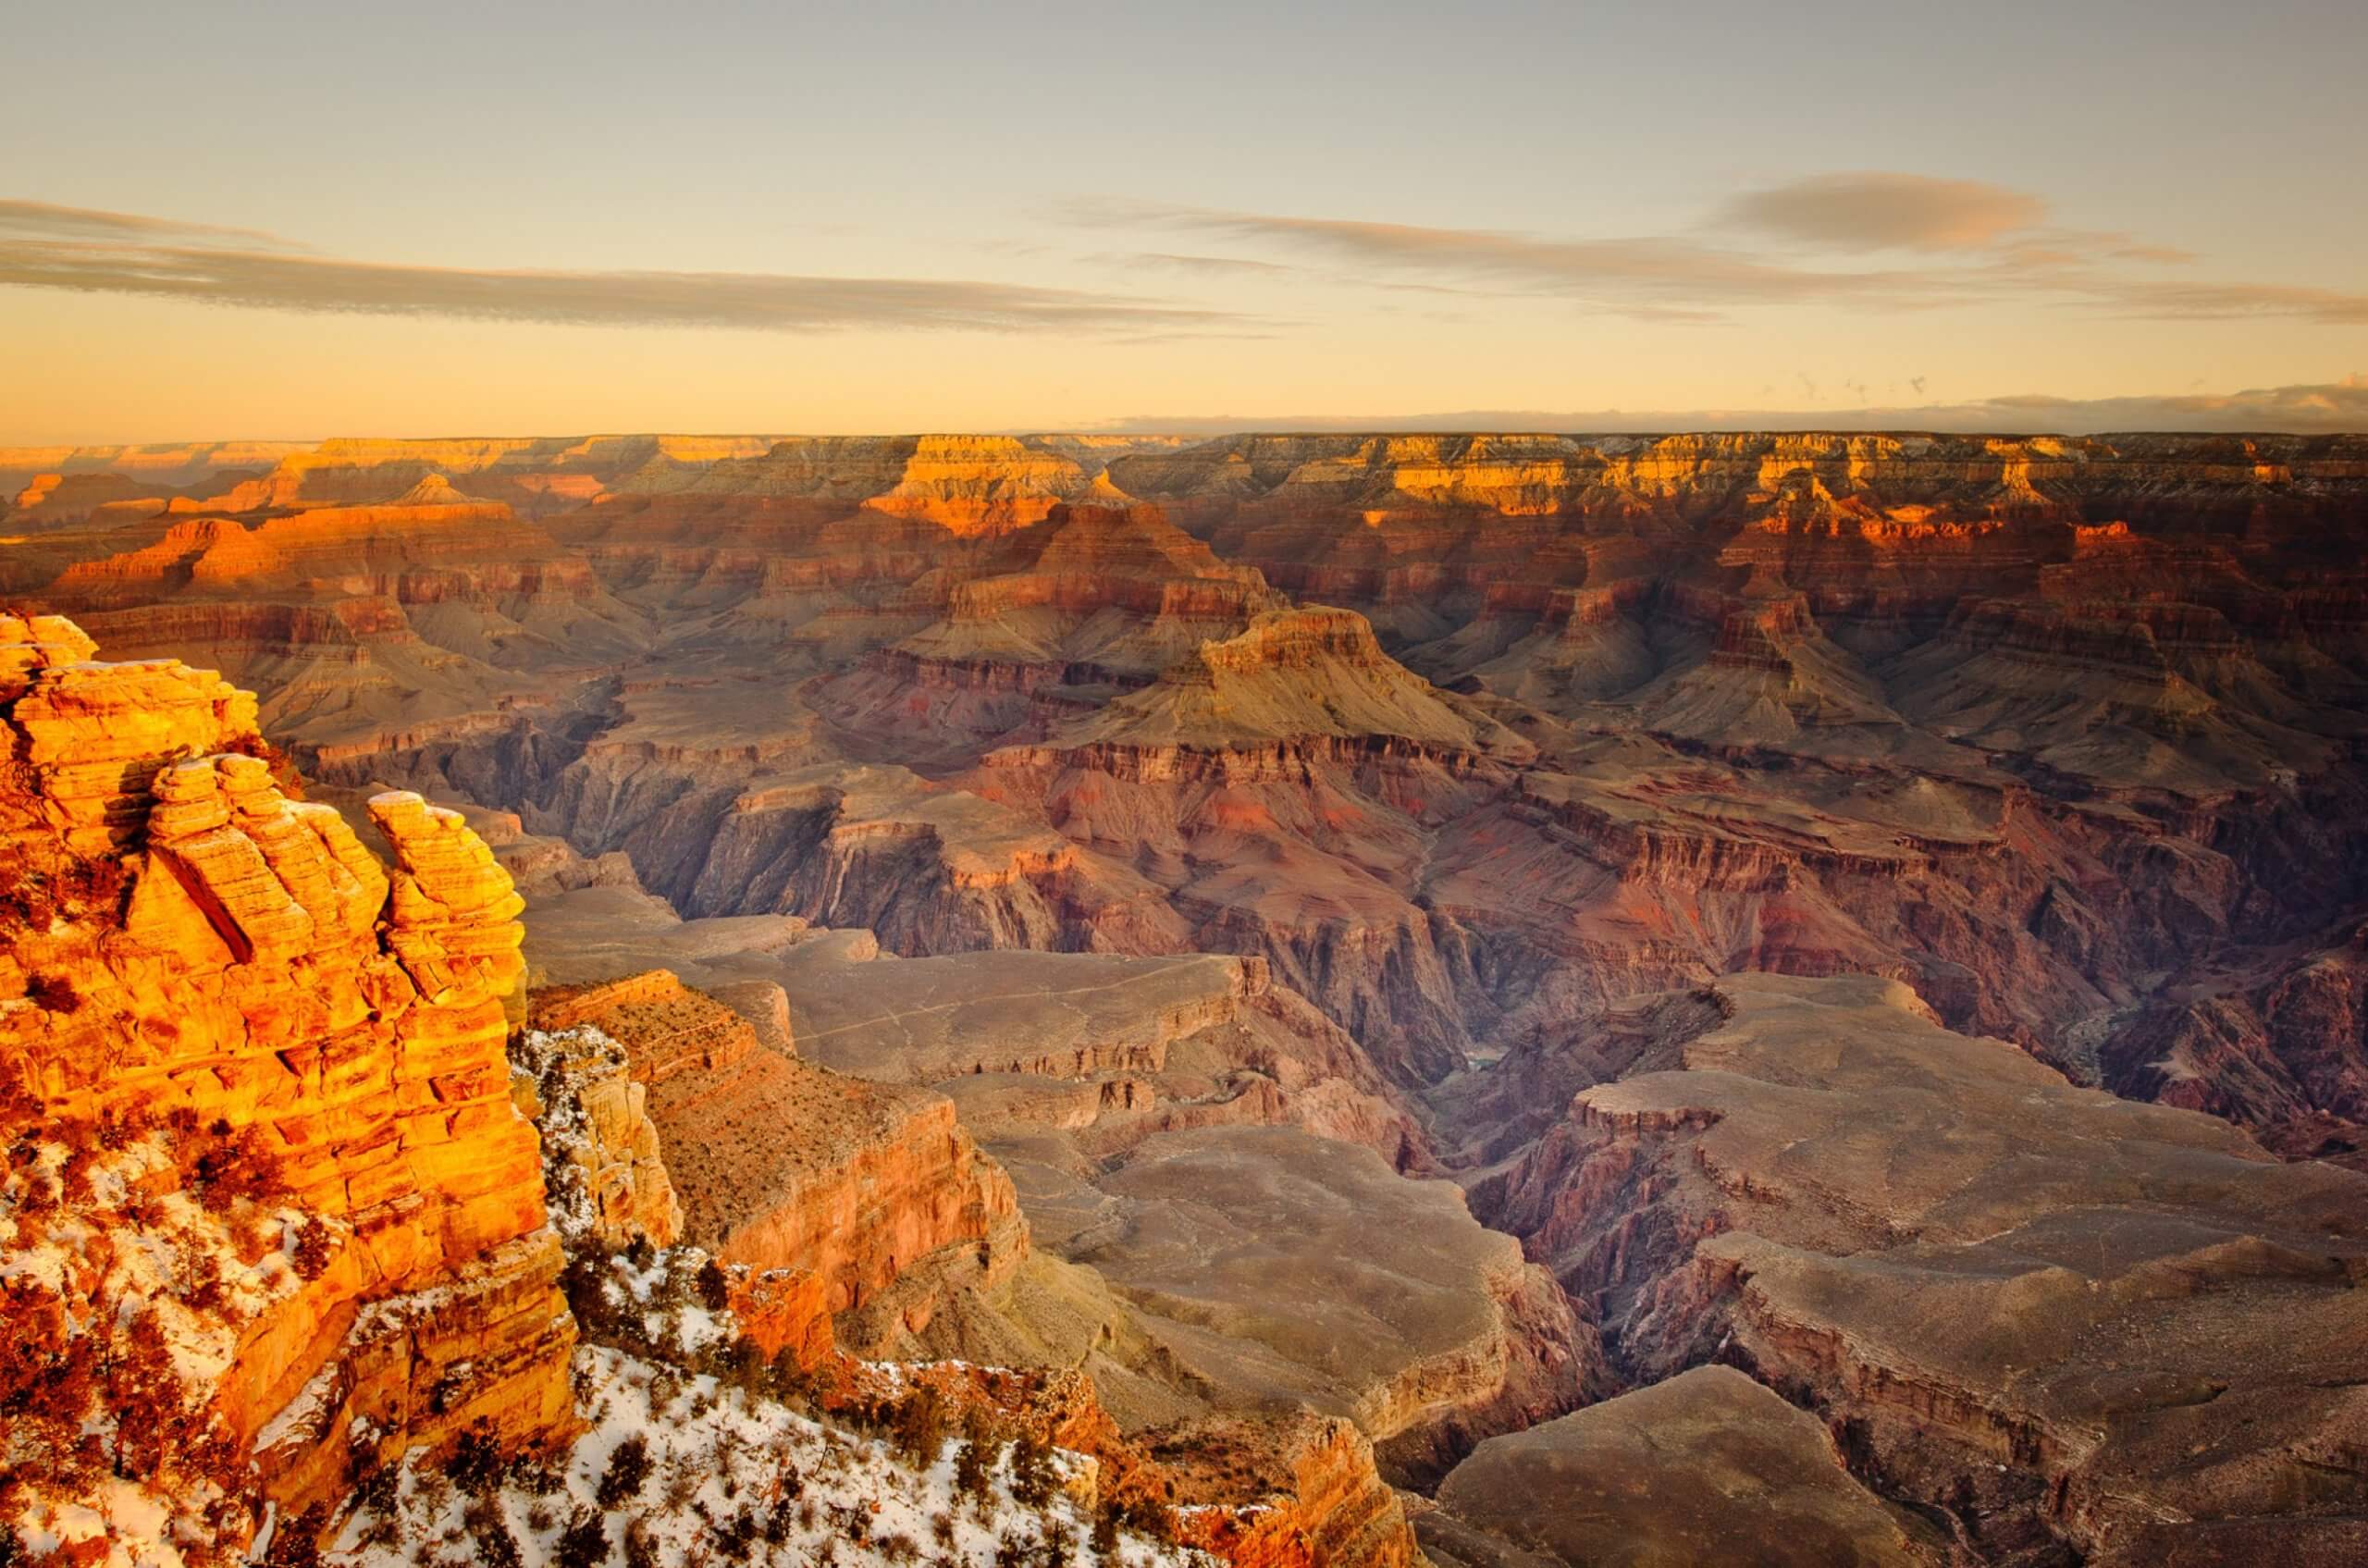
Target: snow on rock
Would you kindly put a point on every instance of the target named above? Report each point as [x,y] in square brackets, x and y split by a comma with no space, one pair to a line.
[730,1477]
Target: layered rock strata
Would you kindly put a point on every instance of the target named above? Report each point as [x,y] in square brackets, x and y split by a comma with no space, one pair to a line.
[2068,1326]
[2042,726]
[784,1166]
[203,964]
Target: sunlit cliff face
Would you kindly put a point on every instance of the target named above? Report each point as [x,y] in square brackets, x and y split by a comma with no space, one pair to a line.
[1038,916]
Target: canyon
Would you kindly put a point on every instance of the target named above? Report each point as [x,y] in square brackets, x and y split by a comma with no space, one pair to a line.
[1425,995]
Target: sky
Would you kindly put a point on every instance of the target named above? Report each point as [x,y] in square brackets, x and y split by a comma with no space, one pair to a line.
[292,221]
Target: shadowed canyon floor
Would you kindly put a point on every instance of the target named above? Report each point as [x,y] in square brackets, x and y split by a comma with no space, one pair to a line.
[1817,976]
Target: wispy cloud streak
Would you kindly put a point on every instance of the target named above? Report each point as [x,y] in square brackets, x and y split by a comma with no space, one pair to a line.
[1873,241]
[46,220]
[44,247]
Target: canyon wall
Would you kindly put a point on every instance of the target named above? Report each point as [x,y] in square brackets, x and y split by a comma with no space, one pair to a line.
[229,1028]
[1082,845]
[2065,1326]
[2039,726]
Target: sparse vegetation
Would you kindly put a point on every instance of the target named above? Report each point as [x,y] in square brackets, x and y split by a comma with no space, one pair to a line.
[584,1544]
[714,1289]
[628,1471]
[1033,1476]
[753,1483]
[476,1465]
[311,1258]
[918,1425]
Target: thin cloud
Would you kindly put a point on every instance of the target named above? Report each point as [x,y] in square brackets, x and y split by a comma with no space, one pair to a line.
[1221,266]
[45,220]
[1963,243]
[70,249]
[1663,271]
[1876,210]
[2216,302]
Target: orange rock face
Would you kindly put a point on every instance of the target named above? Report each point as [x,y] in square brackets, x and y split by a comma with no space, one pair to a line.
[871,1191]
[1319,1503]
[185,944]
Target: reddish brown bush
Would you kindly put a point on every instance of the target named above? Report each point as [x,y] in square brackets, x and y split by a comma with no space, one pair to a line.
[94,887]
[53,994]
[233,1165]
[312,1250]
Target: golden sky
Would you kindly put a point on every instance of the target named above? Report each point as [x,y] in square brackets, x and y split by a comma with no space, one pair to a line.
[299,221]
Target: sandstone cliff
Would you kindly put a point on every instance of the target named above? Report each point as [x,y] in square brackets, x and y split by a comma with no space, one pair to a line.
[291,1061]
[871,1191]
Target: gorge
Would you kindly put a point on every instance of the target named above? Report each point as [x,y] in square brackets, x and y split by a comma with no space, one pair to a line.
[1504,999]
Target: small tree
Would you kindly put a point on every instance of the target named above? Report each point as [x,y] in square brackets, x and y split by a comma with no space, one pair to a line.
[628,1469]
[641,1546]
[918,1426]
[736,1536]
[477,1465]
[1151,1516]
[974,1470]
[787,1379]
[489,1533]
[1032,1475]
[584,1544]
[295,1543]
[744,1367]
[53,994]
[714,1289]
[312,1257]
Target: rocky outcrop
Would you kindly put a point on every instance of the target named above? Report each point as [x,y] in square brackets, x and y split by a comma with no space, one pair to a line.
[1093,1052]
[2280,1044]
[1707,1467]
[307,1047]
[2064,1323]
[1315,1496]
[1290,675]
[1278,1267]
[786,1167]
[604,1172]
[964,485]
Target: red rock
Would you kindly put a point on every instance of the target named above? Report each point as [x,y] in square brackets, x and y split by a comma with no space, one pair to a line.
[261,971]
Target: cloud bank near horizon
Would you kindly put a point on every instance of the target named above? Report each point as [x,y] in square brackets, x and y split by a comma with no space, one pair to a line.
[2328,408]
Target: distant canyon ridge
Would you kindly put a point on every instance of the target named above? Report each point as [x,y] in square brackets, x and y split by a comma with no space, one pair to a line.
[1462,735]
[1482,986]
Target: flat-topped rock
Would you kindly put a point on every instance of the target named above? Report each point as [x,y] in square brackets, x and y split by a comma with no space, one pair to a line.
[1285,1269]
[1708,1467]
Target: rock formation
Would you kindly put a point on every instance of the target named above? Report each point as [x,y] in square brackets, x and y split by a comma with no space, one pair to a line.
[294,1056]
[781,1165]
[1707,1467]
[2037,726]
[2071,1325]
[1155,832]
